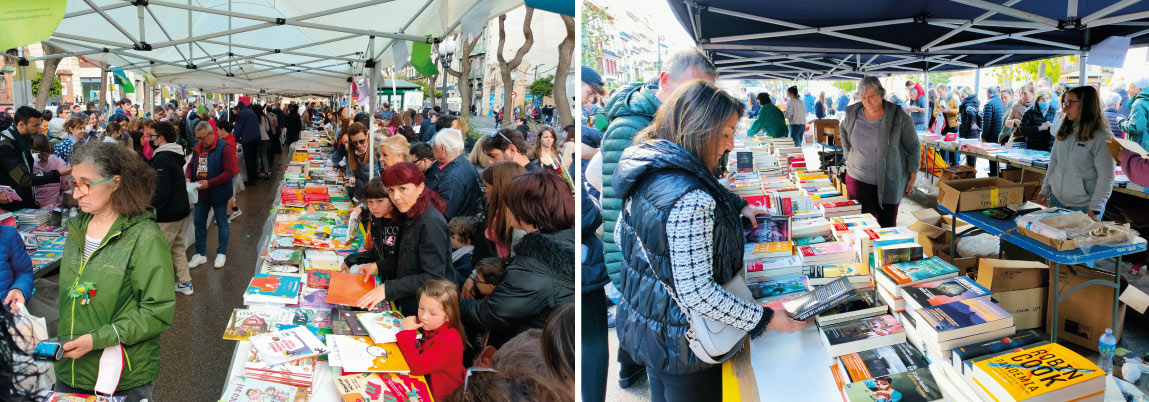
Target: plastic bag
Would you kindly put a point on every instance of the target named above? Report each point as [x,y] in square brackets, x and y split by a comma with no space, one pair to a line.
[982,245]
[1061,224]
[35,376]
[193,192]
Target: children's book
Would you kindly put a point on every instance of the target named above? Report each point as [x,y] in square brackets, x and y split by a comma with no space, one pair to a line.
[265,288]
[318,279]
[288,345]
[346,289]
[360,354]
[245,323]
[382,326]
[911,386]
[407,388]
[314,298]
[252,390]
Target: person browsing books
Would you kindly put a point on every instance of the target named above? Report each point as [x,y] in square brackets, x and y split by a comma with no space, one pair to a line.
[541,276]
[439,355]
[882,153]
[679,228]
[213,166]
[1080,157]
[116,276]
[383,224]
[424,241]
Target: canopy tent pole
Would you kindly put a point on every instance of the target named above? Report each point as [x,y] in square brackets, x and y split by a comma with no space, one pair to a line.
[1082,73]
[373,68]
[394,91]
[977,81]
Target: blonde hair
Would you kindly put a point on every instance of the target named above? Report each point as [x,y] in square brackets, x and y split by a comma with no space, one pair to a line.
[478,157]
[397,144]
[447,295]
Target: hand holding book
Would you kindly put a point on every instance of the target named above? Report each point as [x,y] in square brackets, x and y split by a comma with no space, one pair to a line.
[782,322]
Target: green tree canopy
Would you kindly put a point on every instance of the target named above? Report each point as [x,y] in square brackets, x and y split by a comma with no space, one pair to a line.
[543,87]
[56,86]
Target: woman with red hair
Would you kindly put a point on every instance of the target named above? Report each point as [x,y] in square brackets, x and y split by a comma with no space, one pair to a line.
[541,277]
[424,241]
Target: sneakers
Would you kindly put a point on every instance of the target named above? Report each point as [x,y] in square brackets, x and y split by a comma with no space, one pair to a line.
[235,213]
[196,261]
[220,260]
[185,288]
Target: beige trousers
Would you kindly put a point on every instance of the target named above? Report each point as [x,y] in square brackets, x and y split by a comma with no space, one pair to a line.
[174,233]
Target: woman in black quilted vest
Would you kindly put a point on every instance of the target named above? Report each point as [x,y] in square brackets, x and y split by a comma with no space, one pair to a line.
[679,231]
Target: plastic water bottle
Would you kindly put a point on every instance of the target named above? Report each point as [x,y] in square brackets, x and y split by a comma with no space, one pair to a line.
[1107,346]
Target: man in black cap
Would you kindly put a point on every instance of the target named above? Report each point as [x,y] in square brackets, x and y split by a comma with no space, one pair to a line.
[592,89]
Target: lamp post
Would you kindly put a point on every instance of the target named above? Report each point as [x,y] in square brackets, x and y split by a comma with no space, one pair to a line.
[446,53]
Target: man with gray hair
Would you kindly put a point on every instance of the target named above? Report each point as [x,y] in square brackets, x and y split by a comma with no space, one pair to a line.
[1134,126]
[1110,106]
[456,181]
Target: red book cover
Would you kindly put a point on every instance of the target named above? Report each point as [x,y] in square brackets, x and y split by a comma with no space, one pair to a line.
[346,289]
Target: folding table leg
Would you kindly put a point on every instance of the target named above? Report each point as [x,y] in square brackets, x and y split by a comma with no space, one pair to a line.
[1056,286]
[1116,292]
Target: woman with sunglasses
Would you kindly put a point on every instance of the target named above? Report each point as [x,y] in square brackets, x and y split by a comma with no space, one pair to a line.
[1081,171]
[358,164]
[424,240]
[116,280]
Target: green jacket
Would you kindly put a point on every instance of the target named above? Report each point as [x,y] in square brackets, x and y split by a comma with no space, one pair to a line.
[770,120]
[630,110]
[1135,126]
[135,297]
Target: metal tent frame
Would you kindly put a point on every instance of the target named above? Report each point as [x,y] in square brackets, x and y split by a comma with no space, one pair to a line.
[848,40]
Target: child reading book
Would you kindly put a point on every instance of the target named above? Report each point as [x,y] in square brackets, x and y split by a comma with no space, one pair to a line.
[462,228]
[488,274]
[439,355]
[382,225]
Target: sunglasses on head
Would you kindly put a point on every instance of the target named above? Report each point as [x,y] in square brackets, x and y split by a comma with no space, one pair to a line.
[496,133]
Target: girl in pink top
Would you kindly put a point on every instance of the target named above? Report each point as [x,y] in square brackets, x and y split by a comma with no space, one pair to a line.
[47,195]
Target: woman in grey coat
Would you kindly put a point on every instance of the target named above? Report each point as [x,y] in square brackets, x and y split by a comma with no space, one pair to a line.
[1081,172]
[882,152]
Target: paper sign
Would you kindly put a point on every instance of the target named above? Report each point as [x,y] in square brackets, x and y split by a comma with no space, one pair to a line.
[1109,53]
[26,22]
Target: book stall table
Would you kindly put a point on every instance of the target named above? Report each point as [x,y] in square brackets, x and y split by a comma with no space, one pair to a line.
[1004,229]
[776,359]
[839,158]
[931,167]
[330,376]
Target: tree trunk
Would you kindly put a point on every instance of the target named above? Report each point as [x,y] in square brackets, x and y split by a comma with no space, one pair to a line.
[103,100]
[463,81]
[48,77]
[566,53]
[506,67]
[432,78]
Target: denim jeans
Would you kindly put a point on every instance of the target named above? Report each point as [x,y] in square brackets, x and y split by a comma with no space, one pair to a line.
[920,127]
[222,225]
[594,346]
[797,131]
[264,158]
[1054,202]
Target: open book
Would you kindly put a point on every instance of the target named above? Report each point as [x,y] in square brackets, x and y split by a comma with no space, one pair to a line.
[1132,147]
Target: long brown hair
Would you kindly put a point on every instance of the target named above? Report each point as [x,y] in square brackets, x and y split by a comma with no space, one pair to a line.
[497,178]
[352,158]
[691,118]
[537,151]
[1089,117]
[447,294]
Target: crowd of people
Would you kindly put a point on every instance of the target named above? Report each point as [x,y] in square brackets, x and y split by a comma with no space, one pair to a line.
[472,236]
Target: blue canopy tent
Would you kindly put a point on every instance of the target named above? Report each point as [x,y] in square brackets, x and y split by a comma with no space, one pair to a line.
[850,39]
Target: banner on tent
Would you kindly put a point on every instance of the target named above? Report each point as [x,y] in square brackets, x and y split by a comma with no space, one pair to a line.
[1110,52]
[421,59]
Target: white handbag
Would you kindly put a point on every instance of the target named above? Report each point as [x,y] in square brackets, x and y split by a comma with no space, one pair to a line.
[711,341]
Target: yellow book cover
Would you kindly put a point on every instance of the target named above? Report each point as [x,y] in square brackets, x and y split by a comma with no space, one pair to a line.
[360,354]
[1038,370]
[771,247]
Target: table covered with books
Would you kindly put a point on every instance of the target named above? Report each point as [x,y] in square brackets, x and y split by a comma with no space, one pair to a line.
[43,241]
[297,337]
[889,320]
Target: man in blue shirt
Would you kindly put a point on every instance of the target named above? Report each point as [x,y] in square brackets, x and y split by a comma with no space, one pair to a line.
[809,100]
[843,101]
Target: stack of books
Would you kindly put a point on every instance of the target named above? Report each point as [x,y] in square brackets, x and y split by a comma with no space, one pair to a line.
[891,278]
[844,227]
[1039,373]
[866,239]
[864,303]
[895,253]
[810,227]
[839,208]
[959,323]
[862,334]
[772,268]
[857,273]
[33,216]
[274,290]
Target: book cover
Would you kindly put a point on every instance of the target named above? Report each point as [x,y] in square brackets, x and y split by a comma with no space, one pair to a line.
[962,314]
[360,354]
[1036,371]
[839,270]
[944,291]
[362,387]
[318,279]
[382,326]
[314,298]
[245,323]
[913,271]
[778,287]
[1020,339]
[288,345]
[275,286]
[821,299]
[773,249]
[296,373]
[745,161]
[772,264]
[861,329]
[807,241]
[895,253]
[911,386]
[252,390]
[408,387]
[770,229]
[346,289]
[882,362]
[66,397]
[351,319]
[825,249]
[318,318]
[861,300]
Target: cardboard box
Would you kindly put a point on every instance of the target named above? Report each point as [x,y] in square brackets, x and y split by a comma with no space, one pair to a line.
[1019,287]
[1084,316]
[1135,297]
[958,172]
[1031,180]
[1060,245]
[965,265]
[934,229]
[824,127]
[977,194]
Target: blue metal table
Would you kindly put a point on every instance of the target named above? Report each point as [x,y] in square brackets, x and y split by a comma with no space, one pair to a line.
[839,158]
[1004,230]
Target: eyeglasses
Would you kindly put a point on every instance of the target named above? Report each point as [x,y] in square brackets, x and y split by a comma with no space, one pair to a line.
[478,281]
[363,141]
[83,188]
[1069,103]
[497,133]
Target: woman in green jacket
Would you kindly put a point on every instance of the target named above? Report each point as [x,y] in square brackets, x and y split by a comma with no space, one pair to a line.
[116,278]
[770,119]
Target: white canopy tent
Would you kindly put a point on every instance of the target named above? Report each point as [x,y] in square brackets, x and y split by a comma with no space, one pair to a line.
[279,47]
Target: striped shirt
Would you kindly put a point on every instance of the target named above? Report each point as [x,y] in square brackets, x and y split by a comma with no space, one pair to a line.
[90,246]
